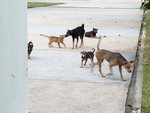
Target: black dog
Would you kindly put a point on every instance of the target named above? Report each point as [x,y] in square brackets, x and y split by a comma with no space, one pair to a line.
[87,55]
[92,33]
[76,33]
[30,48]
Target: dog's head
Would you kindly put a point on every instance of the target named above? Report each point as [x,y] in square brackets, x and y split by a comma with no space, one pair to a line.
[30,45]
[95,30]
[62,36]
[68,33]
[127,65]
[83,54]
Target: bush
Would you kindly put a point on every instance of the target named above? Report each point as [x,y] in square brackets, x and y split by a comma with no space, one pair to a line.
[145,5]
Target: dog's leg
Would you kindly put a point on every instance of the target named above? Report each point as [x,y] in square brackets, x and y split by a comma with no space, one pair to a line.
[73,43]
[50,43]
[59,45]
[64,44]
[92,62]
[120,70]
[29,57]
[111,72]
[81,44]
[100,69]
[77,43]
[85,62]
[81,63]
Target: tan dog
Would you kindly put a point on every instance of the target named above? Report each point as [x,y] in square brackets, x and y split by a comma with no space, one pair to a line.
[113,59]
[58,40]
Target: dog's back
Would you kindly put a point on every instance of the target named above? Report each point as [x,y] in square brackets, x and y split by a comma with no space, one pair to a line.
[90,54]
[78,31]
[54,38]
[91,33]
[60,39]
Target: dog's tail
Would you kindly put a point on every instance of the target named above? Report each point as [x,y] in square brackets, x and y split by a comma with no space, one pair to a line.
[93,50]
[44,35]
[82,25]
[100,38]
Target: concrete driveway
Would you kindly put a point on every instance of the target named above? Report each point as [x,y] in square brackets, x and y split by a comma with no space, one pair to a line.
[57,84]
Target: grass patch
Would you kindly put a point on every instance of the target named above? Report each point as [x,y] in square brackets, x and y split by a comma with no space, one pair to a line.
[146,80]
[40,4]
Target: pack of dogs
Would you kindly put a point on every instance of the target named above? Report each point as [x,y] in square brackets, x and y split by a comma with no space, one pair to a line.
[113,58]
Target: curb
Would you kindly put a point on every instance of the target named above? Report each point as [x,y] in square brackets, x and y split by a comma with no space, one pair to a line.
[139,79]
[134,96]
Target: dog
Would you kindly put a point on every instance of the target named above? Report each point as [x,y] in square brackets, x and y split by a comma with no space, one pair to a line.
[113,59]
[91,34]
[30,48]
[87,55]
[58,40]
[76,33]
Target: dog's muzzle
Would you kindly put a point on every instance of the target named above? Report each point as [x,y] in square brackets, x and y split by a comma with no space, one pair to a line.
[129,71]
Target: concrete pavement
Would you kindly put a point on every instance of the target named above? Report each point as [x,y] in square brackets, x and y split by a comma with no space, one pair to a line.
[57,84]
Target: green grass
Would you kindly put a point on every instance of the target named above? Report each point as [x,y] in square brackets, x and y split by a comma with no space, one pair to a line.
[40,4]
[146,80]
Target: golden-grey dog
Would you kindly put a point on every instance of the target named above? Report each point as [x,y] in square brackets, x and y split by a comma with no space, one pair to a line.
[85,55]
[113,59]
[56,39]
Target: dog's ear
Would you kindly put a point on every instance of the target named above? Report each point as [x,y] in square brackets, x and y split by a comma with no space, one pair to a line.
[62,36]
[125,62]
[69,31]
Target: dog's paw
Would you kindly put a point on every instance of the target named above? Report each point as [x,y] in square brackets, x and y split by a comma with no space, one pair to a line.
[123,79]
[109,74]
[103,76]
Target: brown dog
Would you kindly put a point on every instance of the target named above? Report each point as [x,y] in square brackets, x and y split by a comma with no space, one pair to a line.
[113,59]
[58,40]
[85,55]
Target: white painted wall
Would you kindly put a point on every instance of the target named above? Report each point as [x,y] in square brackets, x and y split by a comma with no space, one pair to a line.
[13,60]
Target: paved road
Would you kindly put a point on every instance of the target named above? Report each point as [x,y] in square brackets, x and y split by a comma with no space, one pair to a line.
[57,84]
